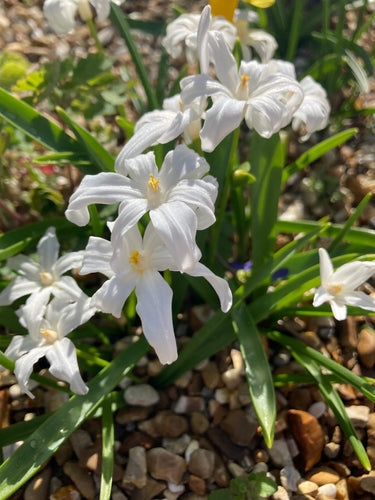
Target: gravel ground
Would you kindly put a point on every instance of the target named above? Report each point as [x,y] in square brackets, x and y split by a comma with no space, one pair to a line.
[191,438]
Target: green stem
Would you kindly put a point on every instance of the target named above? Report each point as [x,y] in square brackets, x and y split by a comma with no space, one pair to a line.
[94,34]
[223,198]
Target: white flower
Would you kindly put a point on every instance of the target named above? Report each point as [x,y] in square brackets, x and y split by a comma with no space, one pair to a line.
[61,14]
[266,101]
[46,277]
[132,263]
[163,126]
[182,35]
[48,326]
[338,287]
[178,198]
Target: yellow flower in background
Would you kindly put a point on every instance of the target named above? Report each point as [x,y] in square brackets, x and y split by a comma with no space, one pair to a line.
[224,8]
[263,4]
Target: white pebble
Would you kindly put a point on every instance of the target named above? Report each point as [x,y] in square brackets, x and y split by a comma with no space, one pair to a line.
[328,489]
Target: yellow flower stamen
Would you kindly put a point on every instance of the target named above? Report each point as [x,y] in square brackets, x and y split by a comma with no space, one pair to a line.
[224,8]
[135,260]
[46,278]
[334,289]
[153,183]
[50,335]
[244,80]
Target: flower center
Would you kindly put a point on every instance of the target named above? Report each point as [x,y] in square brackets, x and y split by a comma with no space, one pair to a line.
[153,184]
[334,289]
[154,194]
[46,278]
[137,261]
[50,335]
[243,88]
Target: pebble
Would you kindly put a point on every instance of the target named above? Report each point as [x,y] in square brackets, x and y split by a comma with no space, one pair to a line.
[309,436]
[307,488]
[136,468]
[366,347]
[177,445]
[358,414]
[198,423]
[281,494]
[260,467]
[131,414]
[163,464]
[80,439]
[221,440]
[331,450]
[236,470]
[328,489]
[188,404]
[279,453]
[165,424]
[38,487]
[342,490]
[367,482]
[141,395]
[289,477]
[317,409]
[151,490]
[211,375]
[323,475]
[222,395]
[81,478]
[201,463]
[239,427]
[66,493]
[197,484]
[184,380]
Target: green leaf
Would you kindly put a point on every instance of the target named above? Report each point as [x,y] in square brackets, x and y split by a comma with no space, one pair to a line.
[40,446]
[267,160]
[35,125]
[316,152]
[108,441]
[100,158]
[257,369]
[221,494]
[263,486]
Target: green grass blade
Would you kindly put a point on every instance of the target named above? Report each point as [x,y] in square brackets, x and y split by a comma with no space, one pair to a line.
[337,406]
[101,160]
[316,152]
[108,441]
[267,160]
[349,223]
[39,447]
[295,29]
[342,373]
[35,125]
[119,20]
[257,369]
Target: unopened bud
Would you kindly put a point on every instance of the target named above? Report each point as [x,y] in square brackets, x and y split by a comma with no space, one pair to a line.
[84,10]
[242,178]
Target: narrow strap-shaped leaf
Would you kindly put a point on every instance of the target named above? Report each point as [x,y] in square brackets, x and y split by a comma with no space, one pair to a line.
[267,160]
[35,125]
[257,369]
[39,447]
[100,158]
[316,152]
[108,441]
[119,20]
[337,406]
[345,375]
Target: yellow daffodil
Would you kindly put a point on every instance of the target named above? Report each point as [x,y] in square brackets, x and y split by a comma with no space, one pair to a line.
[263,4]
[224,8]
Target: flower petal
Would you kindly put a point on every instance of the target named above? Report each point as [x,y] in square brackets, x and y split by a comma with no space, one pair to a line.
[220,286]
[66,288]
[222,118]
[62,357]
[146,136]
[360,299]
[321,296]
[102,8]
[326,267]
[176,224]
[48,249]
[60,14]
[17,288]
[225,63]
[104,188]
[129,214]
[202,39]
[181,163]
[111,296]
[353,274]
[19,345]
[154,306]
[24,366]
[97,257]
[197,86]
[339,310]
[71,260]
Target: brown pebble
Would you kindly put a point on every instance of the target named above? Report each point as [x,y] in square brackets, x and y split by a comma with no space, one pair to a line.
[151,490]
[309,436]
[137,438]
[198,423]
[81,478]
[342,490]
[132,414]
[366,347]
[239,428]
[162,464]
[221,440]
[323,475]
[38,488]
[136,468]
[211,375]
[201,463]
[66,493]
[197,484]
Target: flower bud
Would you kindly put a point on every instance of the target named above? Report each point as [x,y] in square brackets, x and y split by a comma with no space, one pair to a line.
[84,10]
[242,178]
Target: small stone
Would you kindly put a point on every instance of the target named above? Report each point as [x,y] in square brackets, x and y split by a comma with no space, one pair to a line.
[193,445]
[198,423]
[131,414]
[66,493]
[80,439]
[366,347]
[136,468]
[38,488]
[141,395]
[211,375]
[177,445]
[176,488]
[279,453]
[81,478]
[367,483]
[358,414]
[165,424]
[222,395]
[289,476]
[188,404]
[239,427]
[261,456]
[184,380]
[309,436]
[201,463]
[152,489]
[260,467]
[328,489]
[197,484]
[342,490]
[323,475]
[243,394]
[307,488]
[137,439]
[236,470]
[64,452]
[221,440]
[317,409]
[280,494]
[331,450]
[220,476]
[162,464]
